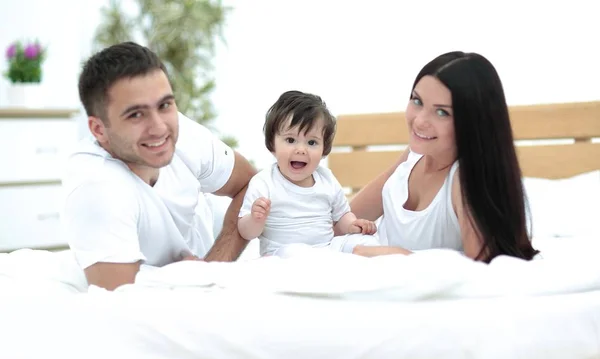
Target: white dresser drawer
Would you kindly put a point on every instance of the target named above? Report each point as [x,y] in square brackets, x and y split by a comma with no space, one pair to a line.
[35,150]
[30,217]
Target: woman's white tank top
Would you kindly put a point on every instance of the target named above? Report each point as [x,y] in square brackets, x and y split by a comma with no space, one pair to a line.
[433,227]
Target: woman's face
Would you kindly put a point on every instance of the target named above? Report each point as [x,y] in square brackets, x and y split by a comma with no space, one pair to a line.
[430,119]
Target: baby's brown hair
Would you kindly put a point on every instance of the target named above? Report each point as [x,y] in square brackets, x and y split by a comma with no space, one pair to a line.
[305,110]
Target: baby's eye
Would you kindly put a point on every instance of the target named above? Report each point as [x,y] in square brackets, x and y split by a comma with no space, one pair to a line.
[312,143]
[289,140]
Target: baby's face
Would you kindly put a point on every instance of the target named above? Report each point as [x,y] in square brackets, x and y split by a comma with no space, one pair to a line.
[298,153]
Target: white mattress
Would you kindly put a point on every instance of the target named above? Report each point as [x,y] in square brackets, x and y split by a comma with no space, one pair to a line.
[313,305]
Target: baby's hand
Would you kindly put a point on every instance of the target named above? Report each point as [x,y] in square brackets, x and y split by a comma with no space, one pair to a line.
[260,209]
[363,226]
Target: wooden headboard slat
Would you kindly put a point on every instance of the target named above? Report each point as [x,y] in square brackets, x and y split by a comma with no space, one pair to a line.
[369,130]
[578,121]
[556,121]
[356,169]
[532,122]
[559,161]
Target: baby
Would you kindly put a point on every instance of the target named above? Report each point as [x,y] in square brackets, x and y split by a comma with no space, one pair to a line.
[296,200]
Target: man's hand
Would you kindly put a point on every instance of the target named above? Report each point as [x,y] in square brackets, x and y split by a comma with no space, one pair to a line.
[192,257]
[362,226]
[260,209]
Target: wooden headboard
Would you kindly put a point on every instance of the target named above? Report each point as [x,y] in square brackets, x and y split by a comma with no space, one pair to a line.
[360,154]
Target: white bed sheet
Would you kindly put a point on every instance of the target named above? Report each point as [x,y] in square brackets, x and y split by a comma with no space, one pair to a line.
[228,324]
[430,305]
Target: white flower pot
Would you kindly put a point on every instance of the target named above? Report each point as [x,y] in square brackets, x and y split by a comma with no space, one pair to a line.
[24,95]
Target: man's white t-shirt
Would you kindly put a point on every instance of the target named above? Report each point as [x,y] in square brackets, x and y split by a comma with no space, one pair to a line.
[111,215]
[298,214]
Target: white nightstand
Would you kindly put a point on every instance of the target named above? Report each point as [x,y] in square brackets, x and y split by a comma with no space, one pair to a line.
[33,149]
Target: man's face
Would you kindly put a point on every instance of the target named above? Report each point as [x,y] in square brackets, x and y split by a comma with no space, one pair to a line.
[142,126]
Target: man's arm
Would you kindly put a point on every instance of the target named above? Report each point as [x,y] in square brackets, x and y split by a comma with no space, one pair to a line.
[229,244]
[111,275]
[100,224]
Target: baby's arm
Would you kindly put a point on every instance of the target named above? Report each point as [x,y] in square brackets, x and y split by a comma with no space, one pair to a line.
[347,223]
[255,208]
[251,225]
[350,224]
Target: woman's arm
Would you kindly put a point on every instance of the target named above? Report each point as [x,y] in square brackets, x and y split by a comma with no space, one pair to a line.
[368,202]
[471,237]
[373,251]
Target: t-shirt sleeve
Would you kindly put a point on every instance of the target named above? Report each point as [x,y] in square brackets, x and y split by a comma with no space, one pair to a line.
[340,205]
[100,222]
[257,187]
[209,158]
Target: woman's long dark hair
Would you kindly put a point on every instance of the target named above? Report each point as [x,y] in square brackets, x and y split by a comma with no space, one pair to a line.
[490,175]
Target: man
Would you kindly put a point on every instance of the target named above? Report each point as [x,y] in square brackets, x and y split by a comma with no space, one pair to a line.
[135,189]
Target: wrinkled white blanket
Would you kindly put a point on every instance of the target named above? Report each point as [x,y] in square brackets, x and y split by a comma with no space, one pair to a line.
[567,265]
[423,275]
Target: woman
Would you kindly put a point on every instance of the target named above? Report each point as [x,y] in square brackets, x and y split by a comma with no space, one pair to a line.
[458,185]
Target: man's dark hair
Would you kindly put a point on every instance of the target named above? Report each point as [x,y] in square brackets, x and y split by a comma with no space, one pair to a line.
[305,110]
[103,69]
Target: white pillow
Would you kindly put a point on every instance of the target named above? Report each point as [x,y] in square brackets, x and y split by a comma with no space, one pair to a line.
[567,207]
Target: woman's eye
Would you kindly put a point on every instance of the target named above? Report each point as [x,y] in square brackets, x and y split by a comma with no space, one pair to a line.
[442,113]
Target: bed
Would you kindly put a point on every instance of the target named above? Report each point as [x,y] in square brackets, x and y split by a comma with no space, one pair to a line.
[319,304]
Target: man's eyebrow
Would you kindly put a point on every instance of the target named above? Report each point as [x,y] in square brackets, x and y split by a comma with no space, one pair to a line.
[133,108]
[167,98]
[140,107]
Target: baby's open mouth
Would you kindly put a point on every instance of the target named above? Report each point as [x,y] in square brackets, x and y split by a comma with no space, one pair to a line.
[297,164]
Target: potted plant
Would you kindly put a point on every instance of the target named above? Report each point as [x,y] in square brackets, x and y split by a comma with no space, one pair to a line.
[24,72]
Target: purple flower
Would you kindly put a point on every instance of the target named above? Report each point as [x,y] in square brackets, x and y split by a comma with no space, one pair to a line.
[31,51]
[11,51]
